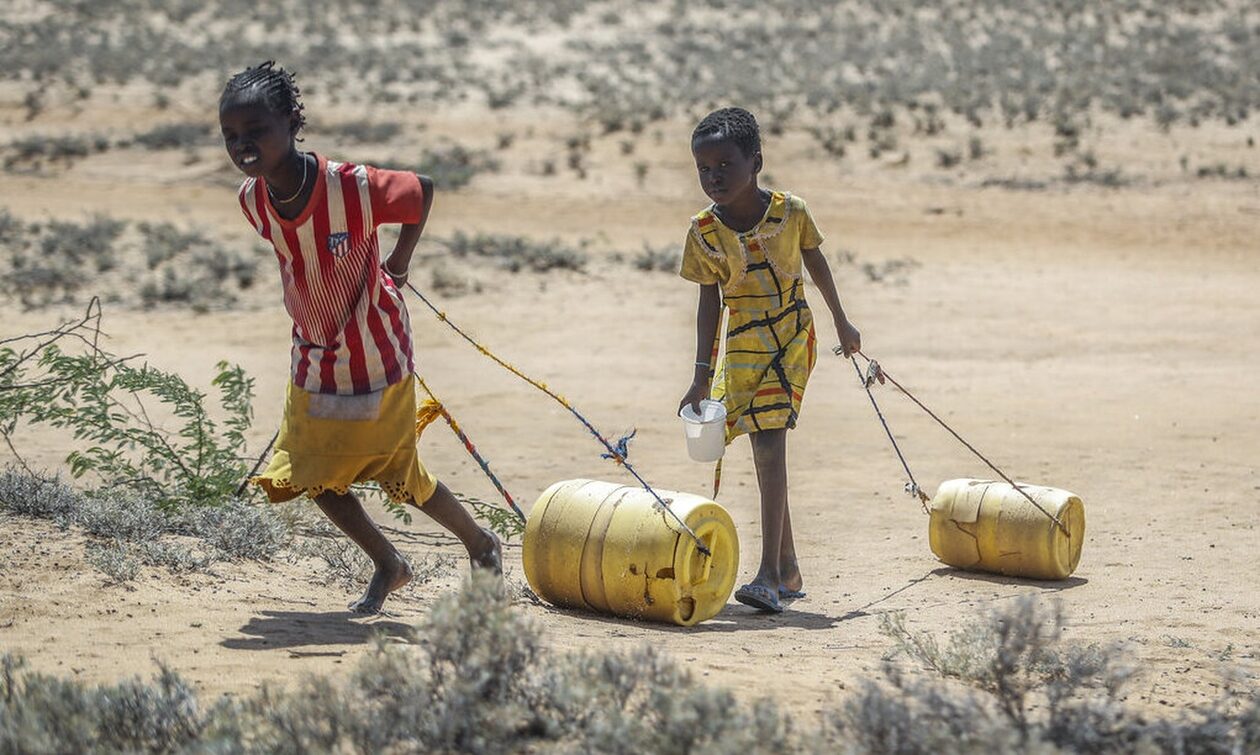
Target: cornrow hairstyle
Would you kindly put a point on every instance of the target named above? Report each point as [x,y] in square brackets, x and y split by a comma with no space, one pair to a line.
[735,124]
[275,86]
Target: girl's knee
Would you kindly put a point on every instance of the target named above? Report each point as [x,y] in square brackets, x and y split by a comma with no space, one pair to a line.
[769,440]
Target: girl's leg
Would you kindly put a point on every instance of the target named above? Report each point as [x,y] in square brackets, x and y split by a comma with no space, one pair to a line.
[789,571]
[483,547]
[770,458]
[392,570]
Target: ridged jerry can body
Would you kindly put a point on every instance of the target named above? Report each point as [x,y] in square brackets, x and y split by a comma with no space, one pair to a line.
[610,548]
[985,525]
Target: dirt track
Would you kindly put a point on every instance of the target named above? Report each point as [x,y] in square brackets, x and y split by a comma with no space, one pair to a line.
[1100,341]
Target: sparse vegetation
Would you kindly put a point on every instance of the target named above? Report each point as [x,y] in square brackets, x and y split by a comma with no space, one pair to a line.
[895,271]
[497,517]
[476,677]
[175,136]
[367,132]
[183,467]
[665,259]
[1026,691]
[1221,170]
[1015,184]
[52,263]
[451,166]
[32,154]
[347,564]
[188,267]
[948,158]
[128,529]
[448,281]
[49,263]
[921,65]
[517,253]
[975,148]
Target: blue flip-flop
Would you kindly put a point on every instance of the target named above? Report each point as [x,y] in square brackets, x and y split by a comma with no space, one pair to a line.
[786,594]
[760,597]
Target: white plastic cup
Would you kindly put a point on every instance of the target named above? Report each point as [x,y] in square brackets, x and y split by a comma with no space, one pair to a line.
[706,431]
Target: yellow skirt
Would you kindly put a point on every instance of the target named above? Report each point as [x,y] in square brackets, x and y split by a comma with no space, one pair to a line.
[769,356]
[328,443]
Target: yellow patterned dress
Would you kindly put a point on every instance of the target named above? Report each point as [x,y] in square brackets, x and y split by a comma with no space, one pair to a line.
[770,345]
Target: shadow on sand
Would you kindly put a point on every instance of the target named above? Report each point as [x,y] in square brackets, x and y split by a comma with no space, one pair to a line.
[735,617]
[303,629]
[1044,585]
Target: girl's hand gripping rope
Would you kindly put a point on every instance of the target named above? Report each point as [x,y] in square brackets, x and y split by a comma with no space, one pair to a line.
[849,337]
[912,487]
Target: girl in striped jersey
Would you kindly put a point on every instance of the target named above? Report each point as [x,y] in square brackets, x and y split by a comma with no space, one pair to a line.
[350,410]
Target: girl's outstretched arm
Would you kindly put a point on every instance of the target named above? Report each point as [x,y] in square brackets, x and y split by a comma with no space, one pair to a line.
[820,271]
[399,260]
[707,314]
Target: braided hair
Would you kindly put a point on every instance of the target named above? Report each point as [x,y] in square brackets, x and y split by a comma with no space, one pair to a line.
[735,124]
[274,86]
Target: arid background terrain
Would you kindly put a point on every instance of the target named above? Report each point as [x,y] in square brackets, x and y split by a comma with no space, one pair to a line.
[1042,217]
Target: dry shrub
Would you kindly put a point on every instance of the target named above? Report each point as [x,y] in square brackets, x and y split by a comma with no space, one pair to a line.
[128,530]
[1006,683]
[44,714]
[476,677]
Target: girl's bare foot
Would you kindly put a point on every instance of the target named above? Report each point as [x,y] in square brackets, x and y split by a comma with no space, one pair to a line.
[387,579]
[490,557]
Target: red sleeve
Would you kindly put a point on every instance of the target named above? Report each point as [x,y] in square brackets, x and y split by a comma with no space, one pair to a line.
[397,196]
[243,195]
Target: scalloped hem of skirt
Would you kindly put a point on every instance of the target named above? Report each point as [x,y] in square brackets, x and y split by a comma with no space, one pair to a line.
[281,489]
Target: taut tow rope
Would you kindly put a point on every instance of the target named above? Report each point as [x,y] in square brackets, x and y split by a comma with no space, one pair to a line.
[430,410]
[872,374]
[875,372]
[613,452]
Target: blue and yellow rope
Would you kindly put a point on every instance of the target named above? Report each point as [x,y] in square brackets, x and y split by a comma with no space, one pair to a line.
[618,455]
[429,410]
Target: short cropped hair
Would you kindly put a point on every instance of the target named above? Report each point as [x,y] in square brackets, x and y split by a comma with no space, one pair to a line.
[735,124]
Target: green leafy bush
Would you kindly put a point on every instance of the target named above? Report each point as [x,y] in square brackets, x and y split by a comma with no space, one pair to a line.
[103,400]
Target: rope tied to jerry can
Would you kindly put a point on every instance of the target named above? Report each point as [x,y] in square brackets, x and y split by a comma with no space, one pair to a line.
[875,373]
[617,453]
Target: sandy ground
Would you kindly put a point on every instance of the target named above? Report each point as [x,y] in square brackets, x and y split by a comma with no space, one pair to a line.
[1097,340]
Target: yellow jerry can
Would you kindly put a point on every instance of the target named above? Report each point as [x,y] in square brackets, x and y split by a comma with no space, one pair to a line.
[983,525]
[610,548]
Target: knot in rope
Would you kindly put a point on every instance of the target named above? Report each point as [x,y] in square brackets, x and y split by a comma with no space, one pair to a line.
[429,410]
[621,449]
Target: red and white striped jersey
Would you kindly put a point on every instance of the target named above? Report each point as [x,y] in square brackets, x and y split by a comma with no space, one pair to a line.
[351,333]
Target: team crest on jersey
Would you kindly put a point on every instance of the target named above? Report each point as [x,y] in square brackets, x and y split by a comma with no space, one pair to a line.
[339,244]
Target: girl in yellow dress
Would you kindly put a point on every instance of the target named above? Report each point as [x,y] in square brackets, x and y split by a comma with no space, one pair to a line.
[747,251]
